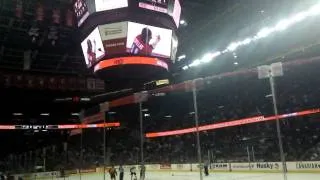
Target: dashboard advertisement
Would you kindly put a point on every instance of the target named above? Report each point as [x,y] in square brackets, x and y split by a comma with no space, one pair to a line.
[104,5]
[114,37]
[92,48]
[149,40]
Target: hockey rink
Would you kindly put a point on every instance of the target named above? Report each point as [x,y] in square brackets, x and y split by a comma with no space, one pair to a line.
[213,176]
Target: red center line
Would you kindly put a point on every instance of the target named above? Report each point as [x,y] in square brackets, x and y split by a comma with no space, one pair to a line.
[231,123]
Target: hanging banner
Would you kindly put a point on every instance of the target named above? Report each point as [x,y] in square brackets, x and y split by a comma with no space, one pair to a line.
[94,118]
[30,81]
[114,37]
[69,18]
[40,12]
[104,107]
[65,146]
[51,82]
[19,8]
[53,148]
[141,96]
[56,16]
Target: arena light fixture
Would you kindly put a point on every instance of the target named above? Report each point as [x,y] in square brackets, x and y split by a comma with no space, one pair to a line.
[299,17]
[283,25]
[85,99]
[196,62]
[185,67]
[17,114]
[45,114]
[75,114]
[263,33]
[233,46]
[207,58]
[147,115]
[314,10]
[183,22]
[181,57]
[246,41]
[111,112]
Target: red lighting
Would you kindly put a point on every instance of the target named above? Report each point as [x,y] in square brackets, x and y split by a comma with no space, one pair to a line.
[231,123]
[130,61]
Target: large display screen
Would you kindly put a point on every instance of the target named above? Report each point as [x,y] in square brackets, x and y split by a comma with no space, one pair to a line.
[123,38]
[81,10]
[171,7]
[149,40]
[92,48]
[174,48]
[155,5]
[104,5]
[114,37]
[176,13]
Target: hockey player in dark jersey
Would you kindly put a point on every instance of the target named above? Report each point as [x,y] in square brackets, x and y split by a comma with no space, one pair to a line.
[133,173]
[121,172]
[142,172]
[141,44]
[206,169]
[113,173]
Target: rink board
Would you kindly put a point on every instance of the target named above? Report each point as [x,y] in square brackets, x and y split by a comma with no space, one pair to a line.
[195,176]
[185,171]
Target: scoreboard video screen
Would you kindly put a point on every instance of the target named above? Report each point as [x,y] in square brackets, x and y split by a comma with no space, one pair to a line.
[104,5]
[149,40]
[81,10]
[171,7]
[127,38]
[84,8]
[114,37]
[92,48]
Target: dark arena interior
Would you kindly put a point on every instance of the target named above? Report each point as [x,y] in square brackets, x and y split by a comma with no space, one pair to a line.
[160,89]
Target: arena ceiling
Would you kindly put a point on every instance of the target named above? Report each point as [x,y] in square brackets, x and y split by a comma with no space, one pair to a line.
[211,24]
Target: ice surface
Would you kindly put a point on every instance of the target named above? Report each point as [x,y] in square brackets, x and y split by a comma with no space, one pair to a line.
[212,176]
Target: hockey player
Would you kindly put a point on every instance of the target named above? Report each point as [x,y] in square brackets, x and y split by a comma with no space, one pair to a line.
[133,173]
[206,169]
[113,173]
[142,172]
[121,172]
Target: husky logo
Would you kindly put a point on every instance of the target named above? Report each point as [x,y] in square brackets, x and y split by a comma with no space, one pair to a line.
[268,165]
